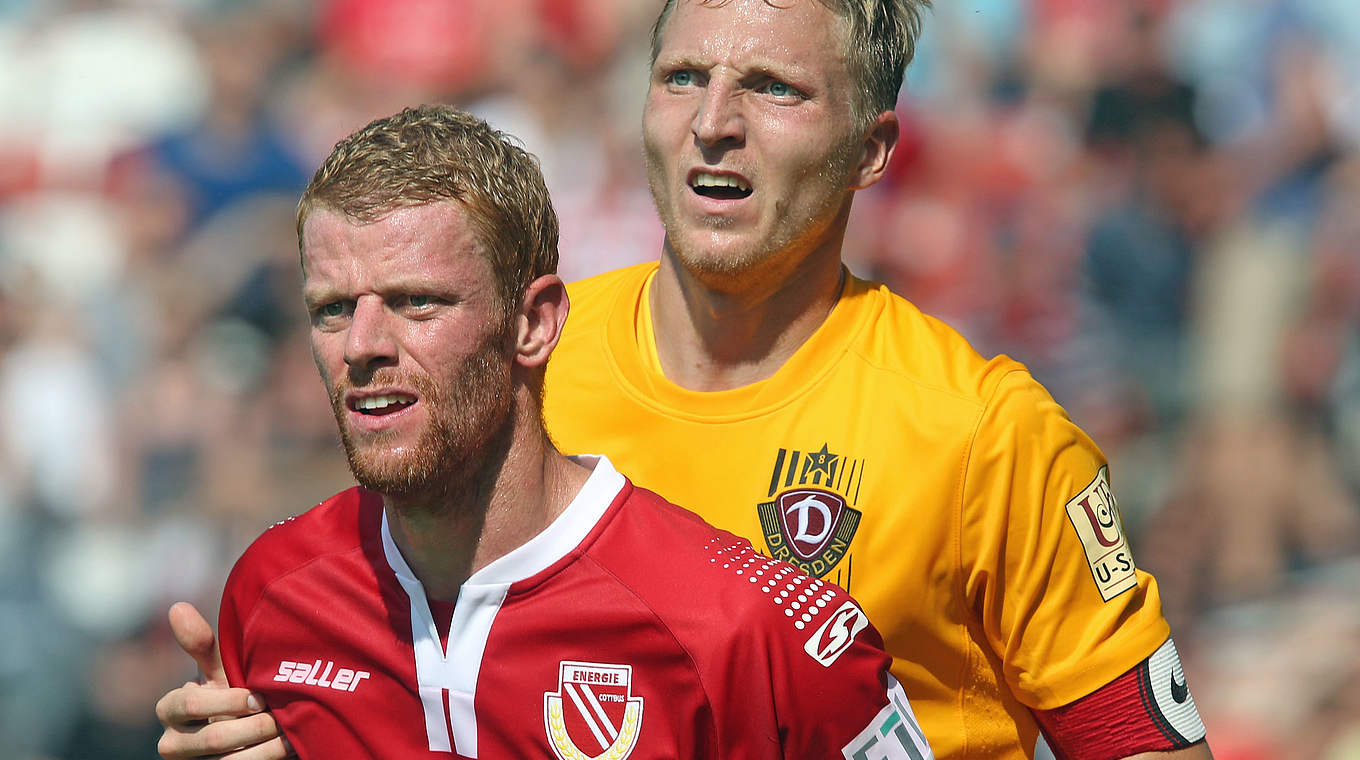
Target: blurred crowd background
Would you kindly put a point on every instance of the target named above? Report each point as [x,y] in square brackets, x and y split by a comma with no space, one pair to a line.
[1155,204]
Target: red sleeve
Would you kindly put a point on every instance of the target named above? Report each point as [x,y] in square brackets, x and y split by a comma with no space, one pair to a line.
[230,628]
[265,559]
[838,696]
[283,546]
[829,692]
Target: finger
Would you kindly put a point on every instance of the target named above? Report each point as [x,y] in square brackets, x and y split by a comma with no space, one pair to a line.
[274,749]
[196,638]
[254,737]
[193,703]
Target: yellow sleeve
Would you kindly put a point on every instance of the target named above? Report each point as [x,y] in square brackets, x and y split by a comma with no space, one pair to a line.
[1045,562]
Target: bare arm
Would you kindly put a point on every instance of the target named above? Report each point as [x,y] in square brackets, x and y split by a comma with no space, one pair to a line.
[211,719]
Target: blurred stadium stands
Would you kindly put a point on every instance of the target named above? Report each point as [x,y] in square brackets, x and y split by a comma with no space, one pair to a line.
[1155,204]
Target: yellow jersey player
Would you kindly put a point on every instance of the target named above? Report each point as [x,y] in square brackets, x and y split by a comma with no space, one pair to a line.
[948,493]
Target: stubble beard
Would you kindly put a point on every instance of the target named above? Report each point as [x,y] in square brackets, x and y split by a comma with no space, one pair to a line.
[465,431]
[724,270]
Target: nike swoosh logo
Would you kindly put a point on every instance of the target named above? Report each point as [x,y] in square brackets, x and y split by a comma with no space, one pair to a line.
[1180,691]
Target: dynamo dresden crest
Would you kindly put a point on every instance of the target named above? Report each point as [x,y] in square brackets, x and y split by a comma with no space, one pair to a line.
[808,523]
[593,715]
[809,528]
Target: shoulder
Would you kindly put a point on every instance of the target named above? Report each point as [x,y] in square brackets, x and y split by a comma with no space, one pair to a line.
[598,306]
[338,524]
[1003,408]
[920,350]
[685,569]
[611,280]
[590,297]
[779,654]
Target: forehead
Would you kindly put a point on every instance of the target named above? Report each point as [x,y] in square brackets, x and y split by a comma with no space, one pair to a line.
[801,31]
[433,240]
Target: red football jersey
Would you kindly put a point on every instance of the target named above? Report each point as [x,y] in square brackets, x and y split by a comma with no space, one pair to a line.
[628,628]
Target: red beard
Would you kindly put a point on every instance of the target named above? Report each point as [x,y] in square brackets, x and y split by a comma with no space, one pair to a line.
[465,420]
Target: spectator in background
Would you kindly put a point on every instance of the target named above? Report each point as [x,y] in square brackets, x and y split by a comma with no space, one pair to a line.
[237,149]
[1141,251]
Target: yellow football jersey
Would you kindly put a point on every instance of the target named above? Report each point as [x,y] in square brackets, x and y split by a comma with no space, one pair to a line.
[949,493]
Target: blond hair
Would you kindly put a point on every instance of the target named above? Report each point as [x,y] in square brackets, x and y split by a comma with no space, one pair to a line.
[433,153]
[880,38]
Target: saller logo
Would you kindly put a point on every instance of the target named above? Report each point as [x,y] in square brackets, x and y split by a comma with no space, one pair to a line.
[593,707]
[1095,515]
[836,634]
[325,676]
[808,523]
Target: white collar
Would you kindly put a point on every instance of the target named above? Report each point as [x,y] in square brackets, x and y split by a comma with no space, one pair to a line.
[554,542]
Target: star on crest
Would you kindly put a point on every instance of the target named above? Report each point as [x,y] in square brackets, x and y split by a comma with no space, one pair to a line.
[821,461]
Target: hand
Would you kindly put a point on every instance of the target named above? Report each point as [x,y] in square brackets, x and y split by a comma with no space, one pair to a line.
[211,719]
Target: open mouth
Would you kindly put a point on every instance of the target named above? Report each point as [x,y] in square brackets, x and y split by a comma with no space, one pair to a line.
[377,406]
[722,187]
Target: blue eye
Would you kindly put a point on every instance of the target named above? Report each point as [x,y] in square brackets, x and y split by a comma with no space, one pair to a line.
[418,302]
[682,78]
[333,309]
[780,89]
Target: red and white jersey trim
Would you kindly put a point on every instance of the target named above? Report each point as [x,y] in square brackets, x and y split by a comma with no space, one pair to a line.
[455,671]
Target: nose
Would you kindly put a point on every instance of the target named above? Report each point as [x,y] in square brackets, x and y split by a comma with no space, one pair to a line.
[719,118]
[369,343]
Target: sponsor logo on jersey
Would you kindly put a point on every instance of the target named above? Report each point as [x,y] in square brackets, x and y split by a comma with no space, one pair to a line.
[836,634]
[593,715]
[1095,515]
[810,521]
[320,673]
[1166,695]
[892,734]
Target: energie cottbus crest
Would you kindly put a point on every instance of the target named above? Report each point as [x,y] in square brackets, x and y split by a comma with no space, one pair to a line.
[809,522]
[593,715]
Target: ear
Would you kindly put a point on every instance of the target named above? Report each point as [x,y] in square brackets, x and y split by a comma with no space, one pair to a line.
[879,143]
[538,325]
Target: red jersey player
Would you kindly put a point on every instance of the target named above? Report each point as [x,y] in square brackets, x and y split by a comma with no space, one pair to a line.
[481,595]
[627,628]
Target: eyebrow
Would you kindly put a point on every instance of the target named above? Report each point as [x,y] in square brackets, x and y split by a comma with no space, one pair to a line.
[681,60]
[757,67]
[318,295]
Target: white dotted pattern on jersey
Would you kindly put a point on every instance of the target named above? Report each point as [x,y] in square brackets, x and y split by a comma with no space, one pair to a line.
[802,598]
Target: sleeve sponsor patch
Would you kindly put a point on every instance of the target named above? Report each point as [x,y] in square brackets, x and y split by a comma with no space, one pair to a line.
[1095,516]
[836,634]
[893,734]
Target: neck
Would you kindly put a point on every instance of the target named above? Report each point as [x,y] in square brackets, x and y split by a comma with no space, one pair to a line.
[724,331]
[521,487]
